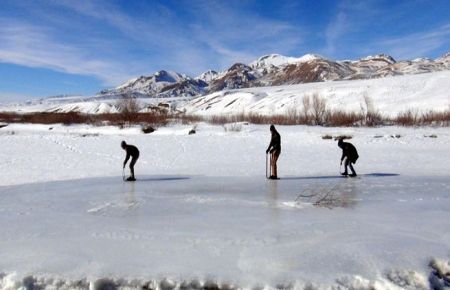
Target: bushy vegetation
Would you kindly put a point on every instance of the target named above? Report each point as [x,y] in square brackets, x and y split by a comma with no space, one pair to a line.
[313,111]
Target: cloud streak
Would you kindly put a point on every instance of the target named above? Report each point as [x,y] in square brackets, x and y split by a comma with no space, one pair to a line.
[27,45]
[416,44]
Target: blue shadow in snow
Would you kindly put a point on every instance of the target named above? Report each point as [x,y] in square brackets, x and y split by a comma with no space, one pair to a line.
[381,174]
[162,178]
[311,177]
[338,176]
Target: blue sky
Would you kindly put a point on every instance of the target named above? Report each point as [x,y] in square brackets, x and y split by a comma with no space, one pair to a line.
[57,47]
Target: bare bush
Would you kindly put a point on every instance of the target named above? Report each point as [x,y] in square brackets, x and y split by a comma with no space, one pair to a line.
[319,108]
[306,102]
[436,118]
[189,119]
[372,117]
[408,118]
[293,114]
[128,107]
[156,119]
[342,119]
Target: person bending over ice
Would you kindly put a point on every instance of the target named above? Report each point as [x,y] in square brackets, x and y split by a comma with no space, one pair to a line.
[275,150]
[350,154]
[132,152]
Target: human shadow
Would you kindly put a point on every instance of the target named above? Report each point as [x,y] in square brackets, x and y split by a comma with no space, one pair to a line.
[337,176]
[381,174]
[312,177]
[162,178]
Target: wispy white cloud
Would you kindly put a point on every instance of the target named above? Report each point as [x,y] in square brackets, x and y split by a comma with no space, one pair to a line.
[32,46]
[349,20]
[213,37]
[416,44]
[237,35]
[335,32]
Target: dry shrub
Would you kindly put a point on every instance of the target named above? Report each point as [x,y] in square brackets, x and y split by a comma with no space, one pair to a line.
[10,117]
[306,102]
[407,118]
[319,108]
[189,119]
[372,117]
[156,119]
[436,118]
[78,118]
[55,118]
[293,114]
[342,119]
[128,107]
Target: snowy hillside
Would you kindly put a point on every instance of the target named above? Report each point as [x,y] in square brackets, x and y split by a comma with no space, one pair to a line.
[390,96]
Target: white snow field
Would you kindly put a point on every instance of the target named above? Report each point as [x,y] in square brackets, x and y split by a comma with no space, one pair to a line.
[203,216]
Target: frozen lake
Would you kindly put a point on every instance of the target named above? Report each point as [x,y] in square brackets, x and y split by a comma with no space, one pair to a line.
[245,231]
[203,212]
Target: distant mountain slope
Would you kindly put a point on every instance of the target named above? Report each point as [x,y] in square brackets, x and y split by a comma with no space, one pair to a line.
[390,95]
[275,70]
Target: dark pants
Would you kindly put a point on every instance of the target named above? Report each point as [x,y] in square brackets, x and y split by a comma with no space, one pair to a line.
[132,163]
[349,164]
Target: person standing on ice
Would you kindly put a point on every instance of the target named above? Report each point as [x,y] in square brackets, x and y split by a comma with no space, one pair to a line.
[350,155]
[132,152]
[274,149]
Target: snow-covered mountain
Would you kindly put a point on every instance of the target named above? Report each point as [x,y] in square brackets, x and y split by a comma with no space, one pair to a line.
[275,70]
[267,71]
[159,85]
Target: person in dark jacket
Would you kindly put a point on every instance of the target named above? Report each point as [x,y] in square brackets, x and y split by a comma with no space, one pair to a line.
[350,155]
[274,149]
[132,152]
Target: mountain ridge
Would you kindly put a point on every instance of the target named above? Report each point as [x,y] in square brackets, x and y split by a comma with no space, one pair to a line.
[273,70]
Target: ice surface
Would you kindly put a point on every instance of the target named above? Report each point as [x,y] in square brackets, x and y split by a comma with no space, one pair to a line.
[203,212]
[242,229]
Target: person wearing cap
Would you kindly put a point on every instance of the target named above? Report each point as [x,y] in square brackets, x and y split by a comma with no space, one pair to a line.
[350,155]
[274,149]
[132,152]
